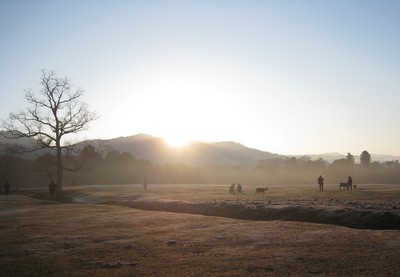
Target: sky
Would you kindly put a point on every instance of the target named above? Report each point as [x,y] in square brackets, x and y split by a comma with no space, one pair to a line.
[288,77]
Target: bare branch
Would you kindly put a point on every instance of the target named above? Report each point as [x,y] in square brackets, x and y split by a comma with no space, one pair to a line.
[55,113]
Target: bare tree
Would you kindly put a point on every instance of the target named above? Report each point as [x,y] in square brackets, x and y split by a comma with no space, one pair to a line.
[55,113]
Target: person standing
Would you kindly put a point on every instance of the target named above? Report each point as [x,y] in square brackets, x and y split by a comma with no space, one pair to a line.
[52,190]
[145,184]
[7,187]
[239,189]
[350,183]
[232,189]
[321,183]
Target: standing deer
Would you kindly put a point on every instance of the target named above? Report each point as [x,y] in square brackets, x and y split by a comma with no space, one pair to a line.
[261,190]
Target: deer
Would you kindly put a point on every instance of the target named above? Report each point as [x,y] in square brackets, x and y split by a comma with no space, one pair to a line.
[345,185]
[261,190]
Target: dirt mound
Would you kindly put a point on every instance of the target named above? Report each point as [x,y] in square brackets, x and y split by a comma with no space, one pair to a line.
[360,214]
[349,217]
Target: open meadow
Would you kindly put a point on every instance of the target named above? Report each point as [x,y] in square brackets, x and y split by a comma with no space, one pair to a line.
[202,230]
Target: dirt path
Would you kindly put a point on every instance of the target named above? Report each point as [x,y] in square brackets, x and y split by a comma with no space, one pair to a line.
[42,238]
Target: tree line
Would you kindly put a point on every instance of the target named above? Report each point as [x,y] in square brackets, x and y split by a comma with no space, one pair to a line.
[114,167]
[57,112]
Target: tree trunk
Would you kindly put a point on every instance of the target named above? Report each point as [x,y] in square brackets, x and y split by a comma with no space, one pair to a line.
[59,188]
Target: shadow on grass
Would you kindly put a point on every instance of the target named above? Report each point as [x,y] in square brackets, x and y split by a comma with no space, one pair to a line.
[360,219]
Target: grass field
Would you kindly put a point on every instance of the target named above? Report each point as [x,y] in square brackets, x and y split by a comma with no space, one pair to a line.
[99,234]
[206,192]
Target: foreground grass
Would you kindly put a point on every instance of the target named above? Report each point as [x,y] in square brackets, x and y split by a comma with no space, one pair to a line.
[42,238]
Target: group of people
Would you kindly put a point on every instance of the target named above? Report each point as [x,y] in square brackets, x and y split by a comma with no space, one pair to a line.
[238,189]
[321,182]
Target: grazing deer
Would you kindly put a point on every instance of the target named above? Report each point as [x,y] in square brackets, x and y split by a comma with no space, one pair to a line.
[345,185]
[261,190]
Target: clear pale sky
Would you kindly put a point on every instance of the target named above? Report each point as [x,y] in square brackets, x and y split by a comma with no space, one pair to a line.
[289,77]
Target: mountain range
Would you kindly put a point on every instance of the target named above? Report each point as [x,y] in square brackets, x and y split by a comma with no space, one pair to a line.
[143,146]
[147,147]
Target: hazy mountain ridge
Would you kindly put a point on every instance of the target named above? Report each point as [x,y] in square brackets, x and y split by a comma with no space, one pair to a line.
[22,143]
[143,146]
[156,149]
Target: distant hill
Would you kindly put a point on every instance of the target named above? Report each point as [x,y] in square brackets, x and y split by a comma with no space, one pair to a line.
[156,149]
[152,148]
[144,146]
[24,143]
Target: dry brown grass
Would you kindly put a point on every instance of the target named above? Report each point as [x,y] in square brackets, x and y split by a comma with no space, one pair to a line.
[206,192]
[42,238]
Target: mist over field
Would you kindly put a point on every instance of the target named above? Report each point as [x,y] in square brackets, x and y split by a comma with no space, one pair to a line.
[182,212]
[199,138]
[128,160]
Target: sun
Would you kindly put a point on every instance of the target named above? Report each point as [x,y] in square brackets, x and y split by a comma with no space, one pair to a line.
[177,141]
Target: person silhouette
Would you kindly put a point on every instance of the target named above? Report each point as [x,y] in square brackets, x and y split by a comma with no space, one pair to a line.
[145,184]
[7,187]
[321,183]
[350,183]
[239,188]
[232,189]
[52,190]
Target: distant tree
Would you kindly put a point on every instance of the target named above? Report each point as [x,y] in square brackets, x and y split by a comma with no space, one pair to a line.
[291,162]
[127,157]
[89,152]
[54,114]
[350,159]
[113,156]
[321,162]
[391,164]
[304,159]
[365,158]
[340,163]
